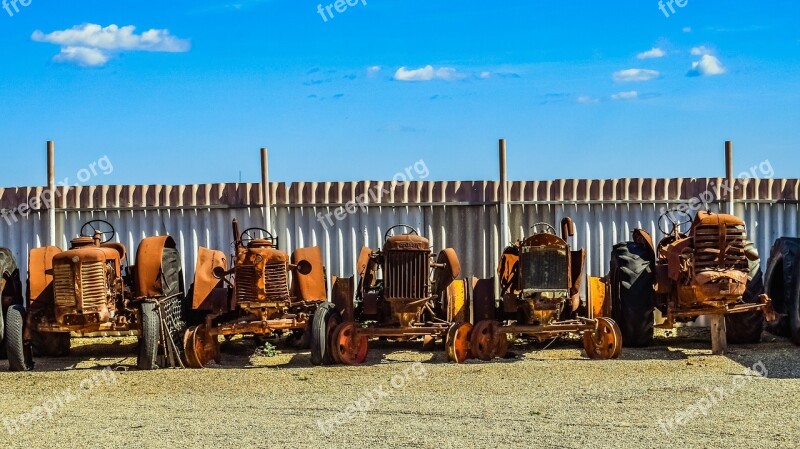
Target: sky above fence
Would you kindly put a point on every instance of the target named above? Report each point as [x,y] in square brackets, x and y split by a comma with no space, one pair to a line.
[187,91]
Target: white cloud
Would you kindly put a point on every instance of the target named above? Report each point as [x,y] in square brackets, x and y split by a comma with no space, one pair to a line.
[427,73]
[92,44]
[485,75]
[701,50]
[707,66]
[687,29]
[635,75]
[654,52]
[373,70]
[585,99]
[631,95]
[87,57]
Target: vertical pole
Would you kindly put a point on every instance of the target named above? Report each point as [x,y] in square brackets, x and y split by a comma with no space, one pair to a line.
[51,188]
[265,189]
[729,176]
[504,226]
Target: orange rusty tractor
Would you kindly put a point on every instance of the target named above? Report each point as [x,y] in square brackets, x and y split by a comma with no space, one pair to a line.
[264,293]
[87,291]
[702,266]
[404,291]
[12,314]
[540,281]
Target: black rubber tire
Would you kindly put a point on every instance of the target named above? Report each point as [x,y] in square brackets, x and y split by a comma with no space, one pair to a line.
[48,344]
[326,318]
[782,284]
[19,355]
[151,337]
[746,328]
[632,293]
[2,336]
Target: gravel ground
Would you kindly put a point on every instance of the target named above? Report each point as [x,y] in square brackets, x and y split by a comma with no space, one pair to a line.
[551,398]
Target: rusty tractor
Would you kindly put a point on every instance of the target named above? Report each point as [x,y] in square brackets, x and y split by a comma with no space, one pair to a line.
[540,282]
[404,291]
[12,315]
[263,294]
[91,291]
[708,269]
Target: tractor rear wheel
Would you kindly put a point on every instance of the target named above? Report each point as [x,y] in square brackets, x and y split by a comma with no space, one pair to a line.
[151,337]
[782,283]
[20,357]
[326,319]
[632,294]
[49,344]
[746,328]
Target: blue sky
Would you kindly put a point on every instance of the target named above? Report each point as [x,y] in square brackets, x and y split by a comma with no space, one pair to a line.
[569,84]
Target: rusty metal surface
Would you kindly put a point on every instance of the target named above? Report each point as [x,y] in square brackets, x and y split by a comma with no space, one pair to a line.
[149,258]
[204,280]
[309,286]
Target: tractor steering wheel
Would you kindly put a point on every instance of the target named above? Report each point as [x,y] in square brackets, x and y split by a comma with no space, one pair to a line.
[99,226]
[677,218]
[251,234]
[389,231]
[541,228]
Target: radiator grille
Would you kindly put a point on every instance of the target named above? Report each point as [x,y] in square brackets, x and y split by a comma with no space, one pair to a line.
[246,283]
[93,280]
[719,247]
[64,286]
[276,279]
[544,269]
[406,275]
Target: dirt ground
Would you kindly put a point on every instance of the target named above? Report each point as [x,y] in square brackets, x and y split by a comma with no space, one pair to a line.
[672,395]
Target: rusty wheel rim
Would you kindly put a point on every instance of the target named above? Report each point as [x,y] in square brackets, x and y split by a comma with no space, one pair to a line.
[202,348]
[605,342]
[458,342]
[485,340]
[351,349]
[188,349]
[330,337]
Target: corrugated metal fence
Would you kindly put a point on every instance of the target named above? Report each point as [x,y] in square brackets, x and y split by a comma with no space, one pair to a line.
[341,217]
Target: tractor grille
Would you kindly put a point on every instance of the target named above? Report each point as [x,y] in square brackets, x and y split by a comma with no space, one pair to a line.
[544,269]
[93,282]
[406,275]
[276,279]
[246,283]
[64,286]
[719,247]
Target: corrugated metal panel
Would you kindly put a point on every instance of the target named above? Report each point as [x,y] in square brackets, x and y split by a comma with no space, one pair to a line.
[460,214]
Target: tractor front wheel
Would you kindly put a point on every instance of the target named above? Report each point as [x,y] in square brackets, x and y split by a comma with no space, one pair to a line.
[326,320]
[458,342]
[488,341]
[605,342]
[19,354]
[349,347]
[151,337]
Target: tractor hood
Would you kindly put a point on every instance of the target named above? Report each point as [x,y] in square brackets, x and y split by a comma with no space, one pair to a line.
[406,243]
